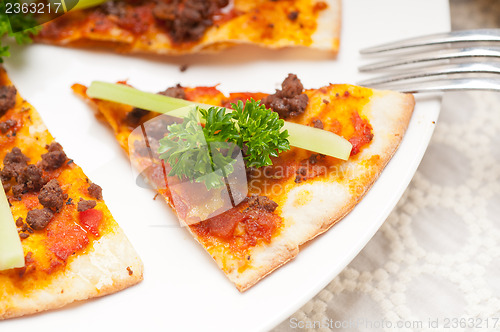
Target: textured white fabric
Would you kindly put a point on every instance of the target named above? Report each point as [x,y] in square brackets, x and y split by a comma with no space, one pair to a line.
[436,259]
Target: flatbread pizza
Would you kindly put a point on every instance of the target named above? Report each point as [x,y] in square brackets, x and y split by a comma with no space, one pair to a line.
[289,202]
[73,248]
[194,26]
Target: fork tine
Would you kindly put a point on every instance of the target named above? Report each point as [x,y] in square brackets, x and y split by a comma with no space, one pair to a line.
[481,35]
[493,52]
[463,68]
[489,84]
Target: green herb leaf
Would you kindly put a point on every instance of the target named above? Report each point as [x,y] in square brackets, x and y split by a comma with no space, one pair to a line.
[196,153]
[205,153]
[27,23]
[260,132]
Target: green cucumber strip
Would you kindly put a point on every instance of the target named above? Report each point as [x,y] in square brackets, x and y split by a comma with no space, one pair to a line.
[11,251]
[318,140]
[124,94]
[305,137]
[82,4]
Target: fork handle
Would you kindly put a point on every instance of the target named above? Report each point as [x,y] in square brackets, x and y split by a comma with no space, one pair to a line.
[462,84]
[463,36]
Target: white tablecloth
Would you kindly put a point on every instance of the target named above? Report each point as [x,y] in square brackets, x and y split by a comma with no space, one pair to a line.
[436,260]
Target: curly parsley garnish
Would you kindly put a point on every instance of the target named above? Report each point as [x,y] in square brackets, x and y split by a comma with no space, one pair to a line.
[26,23]
[190,150]
[260,132]
[196,153]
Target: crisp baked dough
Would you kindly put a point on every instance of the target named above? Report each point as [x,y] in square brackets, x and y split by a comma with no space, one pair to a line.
[101,271]
[262,23]
[309,208]
[108,265]
[389,114]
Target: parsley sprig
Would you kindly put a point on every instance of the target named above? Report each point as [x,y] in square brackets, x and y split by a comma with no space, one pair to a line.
[26,22]
[205,154]
[260,132]
[196,153]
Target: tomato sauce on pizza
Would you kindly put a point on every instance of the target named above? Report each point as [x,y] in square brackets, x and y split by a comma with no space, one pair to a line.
[62,221]
[237,238]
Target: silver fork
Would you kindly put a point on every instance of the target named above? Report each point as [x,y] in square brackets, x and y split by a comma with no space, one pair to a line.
[454,61]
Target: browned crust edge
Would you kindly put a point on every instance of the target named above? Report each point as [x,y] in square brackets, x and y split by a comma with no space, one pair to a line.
[287,253]
[205,47]
[407,102]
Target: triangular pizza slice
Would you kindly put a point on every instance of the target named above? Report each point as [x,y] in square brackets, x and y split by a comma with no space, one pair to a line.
[73,248]
[302,194]
[193,26]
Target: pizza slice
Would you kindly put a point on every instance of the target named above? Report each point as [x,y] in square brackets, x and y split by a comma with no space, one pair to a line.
[301,195]
[73,249]
[192,26]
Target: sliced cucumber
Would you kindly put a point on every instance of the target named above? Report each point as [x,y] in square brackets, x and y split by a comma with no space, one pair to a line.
[82,4]
[318,140]
[11,251]
[124,94]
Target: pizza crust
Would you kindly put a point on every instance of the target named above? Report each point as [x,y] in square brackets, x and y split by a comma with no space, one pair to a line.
[389,114]
[327,35]
[310,208]
[255,25]
[99,272]
[101,269]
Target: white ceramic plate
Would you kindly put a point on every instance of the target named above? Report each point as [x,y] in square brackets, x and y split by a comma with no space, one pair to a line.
[182,288]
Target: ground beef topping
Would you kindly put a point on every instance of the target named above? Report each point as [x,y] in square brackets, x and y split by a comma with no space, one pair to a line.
[155,130]
[17,191]
[54,158]
[7,98]
[289,101]
[95,191]
[38,219]
[133,118]
[116,8]
[314,158]
[52,196]
[6,125]
[317,124]
[141,149]
[293,15]
[27,178]
[15,157]
[31,178]
[262,202]
[14,163]
[84,205]
[23,229]
[187,20]
[174,92]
